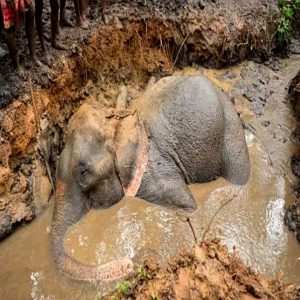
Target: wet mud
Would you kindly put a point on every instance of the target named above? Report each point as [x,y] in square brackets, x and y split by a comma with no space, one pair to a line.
[206,272]
[247,219]
[292,216]
[131,48]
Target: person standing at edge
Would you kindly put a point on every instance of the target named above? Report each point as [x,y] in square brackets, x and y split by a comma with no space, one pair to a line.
[54,22]
[81,7]
[13,13]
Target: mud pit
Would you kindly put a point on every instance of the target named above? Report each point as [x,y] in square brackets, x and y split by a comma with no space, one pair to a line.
[33,126]
[148,37]
[251,222]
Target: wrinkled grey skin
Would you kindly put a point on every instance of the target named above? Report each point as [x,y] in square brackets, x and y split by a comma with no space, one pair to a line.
[196,136]
[193,133]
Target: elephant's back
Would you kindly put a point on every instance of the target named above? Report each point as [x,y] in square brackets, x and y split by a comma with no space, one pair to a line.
[177,95]
[185,118]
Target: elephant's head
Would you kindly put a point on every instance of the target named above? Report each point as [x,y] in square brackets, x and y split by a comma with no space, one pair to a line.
[103,159]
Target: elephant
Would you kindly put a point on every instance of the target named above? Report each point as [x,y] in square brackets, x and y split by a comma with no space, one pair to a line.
[181,130]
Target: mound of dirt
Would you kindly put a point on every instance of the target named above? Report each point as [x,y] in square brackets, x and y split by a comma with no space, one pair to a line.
[207,272]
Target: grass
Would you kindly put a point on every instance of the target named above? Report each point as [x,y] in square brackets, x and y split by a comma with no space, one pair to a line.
[124,288]
[140,274]
[288,9]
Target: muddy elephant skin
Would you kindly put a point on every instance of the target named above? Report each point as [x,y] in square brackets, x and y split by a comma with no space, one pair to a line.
[181,130]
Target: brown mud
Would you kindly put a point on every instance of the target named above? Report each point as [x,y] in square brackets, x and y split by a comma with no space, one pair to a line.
[153,38]
[292,215]
[206,272]
[252,223]
[147,38]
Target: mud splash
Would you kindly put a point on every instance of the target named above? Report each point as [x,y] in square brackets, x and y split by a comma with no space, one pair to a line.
[251,222]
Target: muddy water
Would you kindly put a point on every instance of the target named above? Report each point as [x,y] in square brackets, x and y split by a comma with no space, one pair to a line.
[251,222]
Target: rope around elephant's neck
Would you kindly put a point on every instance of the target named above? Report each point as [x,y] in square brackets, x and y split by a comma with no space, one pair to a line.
[142,155]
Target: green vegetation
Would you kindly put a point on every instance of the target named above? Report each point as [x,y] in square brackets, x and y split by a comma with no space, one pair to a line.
[124,288]
[140,274]
[288,9]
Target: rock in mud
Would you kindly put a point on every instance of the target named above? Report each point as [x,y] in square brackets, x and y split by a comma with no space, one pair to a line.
[5,176]
[292,218]
[296,165]
[249,94]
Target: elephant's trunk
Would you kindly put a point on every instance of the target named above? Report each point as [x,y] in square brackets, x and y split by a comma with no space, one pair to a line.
[62,219]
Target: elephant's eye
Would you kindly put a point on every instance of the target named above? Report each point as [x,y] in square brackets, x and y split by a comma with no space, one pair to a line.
[85,176]
[83,171]
[82,167]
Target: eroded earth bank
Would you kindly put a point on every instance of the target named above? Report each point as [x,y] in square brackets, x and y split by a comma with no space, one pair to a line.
[142,39]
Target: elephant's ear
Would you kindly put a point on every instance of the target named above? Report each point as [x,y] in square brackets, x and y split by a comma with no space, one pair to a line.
[132,150]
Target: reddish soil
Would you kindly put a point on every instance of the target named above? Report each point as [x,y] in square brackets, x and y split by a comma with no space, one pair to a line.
[207,272]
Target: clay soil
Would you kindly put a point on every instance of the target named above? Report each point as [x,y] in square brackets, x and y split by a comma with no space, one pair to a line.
[206,272]
[142,38]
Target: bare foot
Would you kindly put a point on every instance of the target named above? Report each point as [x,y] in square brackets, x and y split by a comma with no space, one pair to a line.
[87,21]
[105,19]
[46,54]
[21,73]
[65,23]
[83,25]
[45,51]
[58,31]
[35,62]
[58,46]
[44,68]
